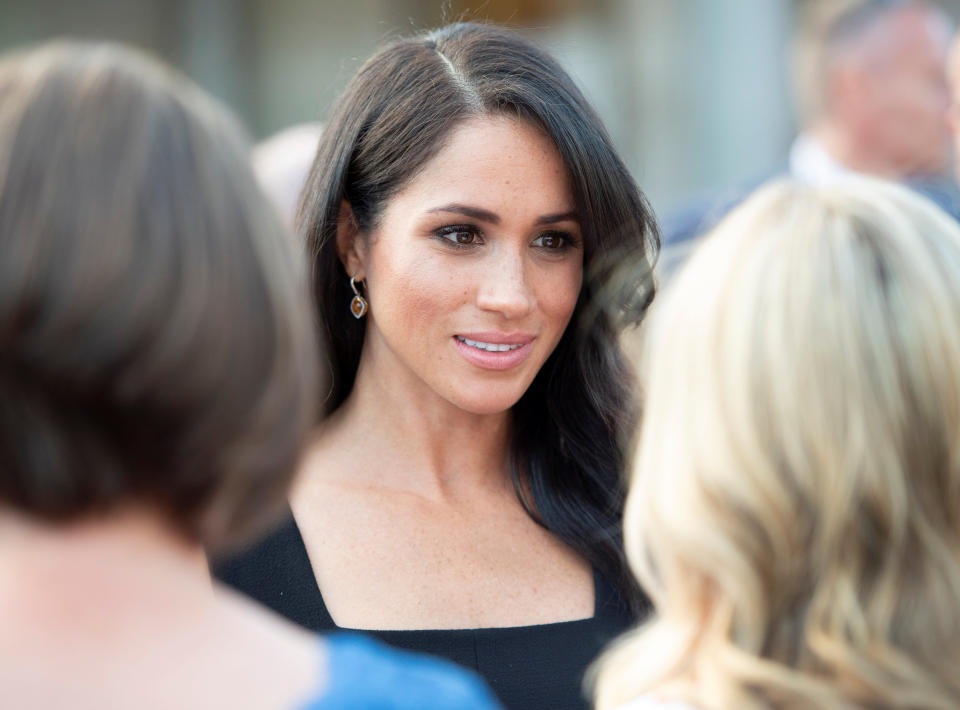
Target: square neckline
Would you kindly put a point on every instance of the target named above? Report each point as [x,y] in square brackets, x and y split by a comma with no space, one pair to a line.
[301,544]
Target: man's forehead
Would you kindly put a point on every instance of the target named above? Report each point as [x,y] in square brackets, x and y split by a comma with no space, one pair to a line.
[905,34]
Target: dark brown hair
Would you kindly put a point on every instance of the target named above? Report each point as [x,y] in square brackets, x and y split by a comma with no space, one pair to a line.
[394,117]
[155,344]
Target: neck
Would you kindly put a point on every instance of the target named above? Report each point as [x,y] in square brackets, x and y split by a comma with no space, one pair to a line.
[99,574]
[411,438]
[107,606]
[846,148]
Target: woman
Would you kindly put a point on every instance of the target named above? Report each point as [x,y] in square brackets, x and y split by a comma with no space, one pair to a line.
[795,509]
[156,378]
[463,213]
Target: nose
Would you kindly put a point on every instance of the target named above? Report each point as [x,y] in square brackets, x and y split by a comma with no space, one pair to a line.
[505,287]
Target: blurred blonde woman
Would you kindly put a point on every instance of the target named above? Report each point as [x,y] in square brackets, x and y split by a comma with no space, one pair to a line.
[795,509]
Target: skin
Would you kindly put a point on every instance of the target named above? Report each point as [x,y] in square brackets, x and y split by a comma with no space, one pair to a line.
[405,501]
[954,77]
[888,98]
[120,612]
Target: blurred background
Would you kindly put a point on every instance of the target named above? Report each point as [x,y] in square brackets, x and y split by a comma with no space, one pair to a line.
[695,93]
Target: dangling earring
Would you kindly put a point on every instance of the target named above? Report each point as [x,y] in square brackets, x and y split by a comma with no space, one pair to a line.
[358,306]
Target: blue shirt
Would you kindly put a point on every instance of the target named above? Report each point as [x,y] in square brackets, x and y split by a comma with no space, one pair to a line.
[363,674]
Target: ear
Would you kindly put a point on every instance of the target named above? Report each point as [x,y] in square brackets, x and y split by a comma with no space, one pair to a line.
[350,247]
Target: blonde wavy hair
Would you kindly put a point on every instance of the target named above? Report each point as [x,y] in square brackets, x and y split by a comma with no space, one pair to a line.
[795,504]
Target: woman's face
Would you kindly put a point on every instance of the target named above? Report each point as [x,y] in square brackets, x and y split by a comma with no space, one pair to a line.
[474,269]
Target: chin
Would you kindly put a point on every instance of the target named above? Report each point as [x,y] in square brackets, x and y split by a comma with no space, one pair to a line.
[487,400]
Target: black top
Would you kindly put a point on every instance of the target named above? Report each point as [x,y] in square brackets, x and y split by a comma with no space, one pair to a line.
[529,667]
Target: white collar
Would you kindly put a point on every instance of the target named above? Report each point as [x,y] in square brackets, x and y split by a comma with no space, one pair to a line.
[810,162]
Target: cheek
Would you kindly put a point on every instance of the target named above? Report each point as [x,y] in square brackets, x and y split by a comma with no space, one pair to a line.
[558,293]
[413,290]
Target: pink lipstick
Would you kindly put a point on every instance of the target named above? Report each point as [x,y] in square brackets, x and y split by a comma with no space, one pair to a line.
[494,351]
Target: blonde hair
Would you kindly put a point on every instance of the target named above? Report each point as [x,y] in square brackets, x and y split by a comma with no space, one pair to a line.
[795,507]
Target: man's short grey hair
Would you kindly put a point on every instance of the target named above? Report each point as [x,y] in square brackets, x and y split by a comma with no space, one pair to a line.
[826,30]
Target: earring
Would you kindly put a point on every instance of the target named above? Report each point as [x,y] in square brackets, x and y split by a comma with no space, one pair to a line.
[358,306]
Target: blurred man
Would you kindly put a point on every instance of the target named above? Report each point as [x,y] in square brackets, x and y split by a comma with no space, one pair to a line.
[872,90]
[873,98]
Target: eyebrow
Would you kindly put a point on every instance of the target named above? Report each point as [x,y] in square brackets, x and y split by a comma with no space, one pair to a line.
[570,216]
[488,216]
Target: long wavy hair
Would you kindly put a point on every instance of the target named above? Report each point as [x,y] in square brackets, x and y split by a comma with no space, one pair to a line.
[394,117]
[795,504]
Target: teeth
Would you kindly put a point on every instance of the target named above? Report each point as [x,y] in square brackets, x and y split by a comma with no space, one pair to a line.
[489,347]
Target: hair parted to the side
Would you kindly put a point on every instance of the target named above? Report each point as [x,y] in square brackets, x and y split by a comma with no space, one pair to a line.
[393,118]
[155,330]
[795,504]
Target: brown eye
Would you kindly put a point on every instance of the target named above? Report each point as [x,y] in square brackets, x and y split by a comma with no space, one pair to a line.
[459,236]
[551,242]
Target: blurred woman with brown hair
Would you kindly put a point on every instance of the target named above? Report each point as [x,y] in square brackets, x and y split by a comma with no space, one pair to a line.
[157,380]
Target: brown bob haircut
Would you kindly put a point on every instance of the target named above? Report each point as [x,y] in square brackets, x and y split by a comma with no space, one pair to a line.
[155,334]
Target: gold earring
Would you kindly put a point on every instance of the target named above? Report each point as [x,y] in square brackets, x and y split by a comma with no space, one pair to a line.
[358,306]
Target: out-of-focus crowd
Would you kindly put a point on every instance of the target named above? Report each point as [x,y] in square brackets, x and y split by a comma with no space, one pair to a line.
[421,408]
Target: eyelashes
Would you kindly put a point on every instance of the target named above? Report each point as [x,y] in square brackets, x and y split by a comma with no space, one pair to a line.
[464,237]
[459,236]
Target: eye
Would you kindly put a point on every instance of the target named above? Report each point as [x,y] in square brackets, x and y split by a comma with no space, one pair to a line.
[460,235]
[554,241]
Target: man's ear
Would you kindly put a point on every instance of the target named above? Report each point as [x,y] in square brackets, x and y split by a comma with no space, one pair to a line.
[350,247]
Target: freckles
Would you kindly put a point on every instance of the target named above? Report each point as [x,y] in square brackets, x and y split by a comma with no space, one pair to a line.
[424,291]
[457,293]
[558,296]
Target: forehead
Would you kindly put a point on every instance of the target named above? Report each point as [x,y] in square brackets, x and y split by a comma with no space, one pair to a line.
[497,162]
[912,35]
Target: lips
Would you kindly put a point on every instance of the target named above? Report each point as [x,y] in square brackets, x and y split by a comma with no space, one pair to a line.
[494,351]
